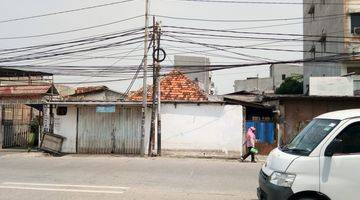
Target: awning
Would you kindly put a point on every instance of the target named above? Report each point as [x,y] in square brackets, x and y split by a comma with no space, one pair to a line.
[26,94]
[6,72]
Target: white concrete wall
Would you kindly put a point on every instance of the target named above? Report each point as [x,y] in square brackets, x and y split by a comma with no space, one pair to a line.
[65,125]
[331,86]
[202,127]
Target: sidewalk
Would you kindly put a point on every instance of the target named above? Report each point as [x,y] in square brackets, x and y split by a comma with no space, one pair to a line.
[165,154]
[207,155]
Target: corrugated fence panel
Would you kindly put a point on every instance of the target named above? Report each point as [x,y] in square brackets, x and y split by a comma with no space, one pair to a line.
[128,131]
[104,133]
[95,129]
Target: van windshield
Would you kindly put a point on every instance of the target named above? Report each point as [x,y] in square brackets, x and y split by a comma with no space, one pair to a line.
[310,137]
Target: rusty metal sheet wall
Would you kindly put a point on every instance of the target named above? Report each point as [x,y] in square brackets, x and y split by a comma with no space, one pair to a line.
[104,133]
[298,113]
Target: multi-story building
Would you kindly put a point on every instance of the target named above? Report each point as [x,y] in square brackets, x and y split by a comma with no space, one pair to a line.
[331,28]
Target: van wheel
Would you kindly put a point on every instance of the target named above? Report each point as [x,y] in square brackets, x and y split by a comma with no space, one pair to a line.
[309,196]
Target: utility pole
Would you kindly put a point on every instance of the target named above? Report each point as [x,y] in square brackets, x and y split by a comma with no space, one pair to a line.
[144,102]
[158,82]
[154,94]
[155,112]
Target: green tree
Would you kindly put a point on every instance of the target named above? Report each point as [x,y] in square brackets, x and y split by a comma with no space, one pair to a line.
[291,85]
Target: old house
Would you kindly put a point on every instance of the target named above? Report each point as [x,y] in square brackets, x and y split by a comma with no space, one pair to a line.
[22,94]
[191,121]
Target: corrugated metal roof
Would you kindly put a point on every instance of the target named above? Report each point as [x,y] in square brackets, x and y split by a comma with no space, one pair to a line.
[90,89]
[26,90]
[6,72]
[84,102]
[300,97]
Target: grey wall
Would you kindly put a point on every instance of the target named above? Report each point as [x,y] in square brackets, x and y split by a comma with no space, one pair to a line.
[256,84]
[334,26]
[107,95]
[203,76]
[276,72]
[268,84]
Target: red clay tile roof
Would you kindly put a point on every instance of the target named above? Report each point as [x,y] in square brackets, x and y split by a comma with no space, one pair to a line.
[175,86]
[26,90]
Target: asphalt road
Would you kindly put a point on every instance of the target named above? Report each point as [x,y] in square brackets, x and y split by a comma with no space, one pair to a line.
[35,176]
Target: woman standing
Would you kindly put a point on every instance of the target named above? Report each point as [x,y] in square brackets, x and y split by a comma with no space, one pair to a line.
[250,143]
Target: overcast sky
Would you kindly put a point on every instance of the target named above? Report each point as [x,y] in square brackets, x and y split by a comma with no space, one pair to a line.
[223,79]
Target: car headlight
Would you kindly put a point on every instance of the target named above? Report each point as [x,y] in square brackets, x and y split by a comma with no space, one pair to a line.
[282,179]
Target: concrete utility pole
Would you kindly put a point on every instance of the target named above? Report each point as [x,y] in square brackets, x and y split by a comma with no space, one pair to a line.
[155,112]
[157,71]
[144,102]
[154,94]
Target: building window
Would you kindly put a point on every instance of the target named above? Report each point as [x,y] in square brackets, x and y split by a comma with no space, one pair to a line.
[355,23]
[61,110]
[323,2]
[283,76]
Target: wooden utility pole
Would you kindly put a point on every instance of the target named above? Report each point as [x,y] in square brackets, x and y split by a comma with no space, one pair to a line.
[154,94]
[144,102]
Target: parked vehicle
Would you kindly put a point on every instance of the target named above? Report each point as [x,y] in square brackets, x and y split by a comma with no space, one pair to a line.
[321,162]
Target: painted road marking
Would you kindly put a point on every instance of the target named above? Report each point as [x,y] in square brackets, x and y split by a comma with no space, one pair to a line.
[61,190]
[64,187]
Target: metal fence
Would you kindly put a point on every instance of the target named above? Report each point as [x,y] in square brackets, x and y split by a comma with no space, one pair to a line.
[15,135]
[15,125]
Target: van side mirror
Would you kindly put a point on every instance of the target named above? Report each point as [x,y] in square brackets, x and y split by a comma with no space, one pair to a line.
[334,147]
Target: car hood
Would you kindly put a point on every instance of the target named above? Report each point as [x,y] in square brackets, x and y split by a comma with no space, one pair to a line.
[278,161]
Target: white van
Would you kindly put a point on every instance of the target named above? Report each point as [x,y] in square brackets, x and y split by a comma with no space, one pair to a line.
[321,162]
